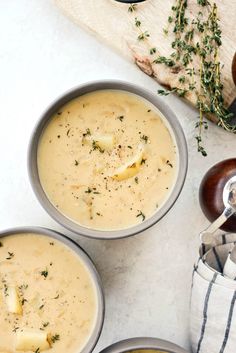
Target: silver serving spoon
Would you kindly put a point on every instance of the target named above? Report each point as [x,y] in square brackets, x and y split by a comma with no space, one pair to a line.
[229,198]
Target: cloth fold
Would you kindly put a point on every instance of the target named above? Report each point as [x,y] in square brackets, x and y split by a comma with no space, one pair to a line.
[213,311]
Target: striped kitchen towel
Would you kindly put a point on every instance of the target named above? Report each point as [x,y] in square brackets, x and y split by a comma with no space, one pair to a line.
[213,301]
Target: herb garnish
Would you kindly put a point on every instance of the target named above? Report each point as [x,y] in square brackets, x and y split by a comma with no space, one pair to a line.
[56,297]
[141,214]
[87,133]
[93,190]
[143,161]
[198,38]
[76,162]
[37,350]
[152,51]
[44,273]
[121,117]
[41,306]
[88,191]
[45,324]
[23,301]
[11,255]
[96,146]
[144,138]
[55,338]
[136,180]
[6,290]
[132,7]
[169,164]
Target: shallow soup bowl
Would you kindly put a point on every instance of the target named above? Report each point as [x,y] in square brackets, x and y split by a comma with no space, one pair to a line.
[145,345]
[61,290]
[167,117]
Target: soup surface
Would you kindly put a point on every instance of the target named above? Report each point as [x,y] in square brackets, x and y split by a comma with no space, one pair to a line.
[107,160]
[46,291]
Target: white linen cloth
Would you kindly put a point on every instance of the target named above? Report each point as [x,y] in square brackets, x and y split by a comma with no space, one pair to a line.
[213,309]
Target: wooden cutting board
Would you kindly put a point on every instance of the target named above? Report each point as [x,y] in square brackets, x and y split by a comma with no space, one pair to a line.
[111,22]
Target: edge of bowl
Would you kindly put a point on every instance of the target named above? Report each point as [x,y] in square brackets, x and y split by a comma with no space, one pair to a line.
[140,343]
[87,88]
[93,339]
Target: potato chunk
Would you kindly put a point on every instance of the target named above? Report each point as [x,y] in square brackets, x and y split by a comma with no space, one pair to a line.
[105,142]
[131,168]
[12,300]
[31,340]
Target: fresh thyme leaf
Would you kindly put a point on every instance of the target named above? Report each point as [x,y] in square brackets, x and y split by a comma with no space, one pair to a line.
[45,324]
[141,214]
[56,297]
[163,92]
[182,79]
[23,286]
[143,161]
[169,164]
[44,273]
[136,180]
[201,149]
[87,133]
[37,350]
[130,147]
[144,138]
[76,162]
[88,191]
[143,35]
[137,22]
[55,338]
[6,290]
[41,306]
[23,301]
[132,7]
[152,51]
[164,60]
[10,255]
[97,147]
[121,117]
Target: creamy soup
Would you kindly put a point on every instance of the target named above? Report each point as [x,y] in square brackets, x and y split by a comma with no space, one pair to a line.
[107,160]
[48,298]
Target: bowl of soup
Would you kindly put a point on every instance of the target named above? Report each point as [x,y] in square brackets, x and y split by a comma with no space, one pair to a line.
[143,345]
[51,295]
[107,159]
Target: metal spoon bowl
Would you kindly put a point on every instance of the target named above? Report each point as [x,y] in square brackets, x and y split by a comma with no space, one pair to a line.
[229,198]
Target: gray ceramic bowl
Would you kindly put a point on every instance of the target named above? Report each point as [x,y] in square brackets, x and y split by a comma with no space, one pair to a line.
[90,266]
[91,87]
[143,343]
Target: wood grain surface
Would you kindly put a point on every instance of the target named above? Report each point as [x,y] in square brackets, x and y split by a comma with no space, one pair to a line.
[111,22]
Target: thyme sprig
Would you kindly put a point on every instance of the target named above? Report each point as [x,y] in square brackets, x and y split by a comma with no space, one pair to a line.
[198,38]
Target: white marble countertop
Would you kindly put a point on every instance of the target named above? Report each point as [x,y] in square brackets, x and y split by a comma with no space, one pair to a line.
[146,278]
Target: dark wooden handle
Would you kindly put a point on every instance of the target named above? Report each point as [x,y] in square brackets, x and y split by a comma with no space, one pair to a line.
[211,192]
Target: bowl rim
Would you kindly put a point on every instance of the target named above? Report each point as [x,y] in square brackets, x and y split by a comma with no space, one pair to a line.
[143,343]
[79,91]
[86,259]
